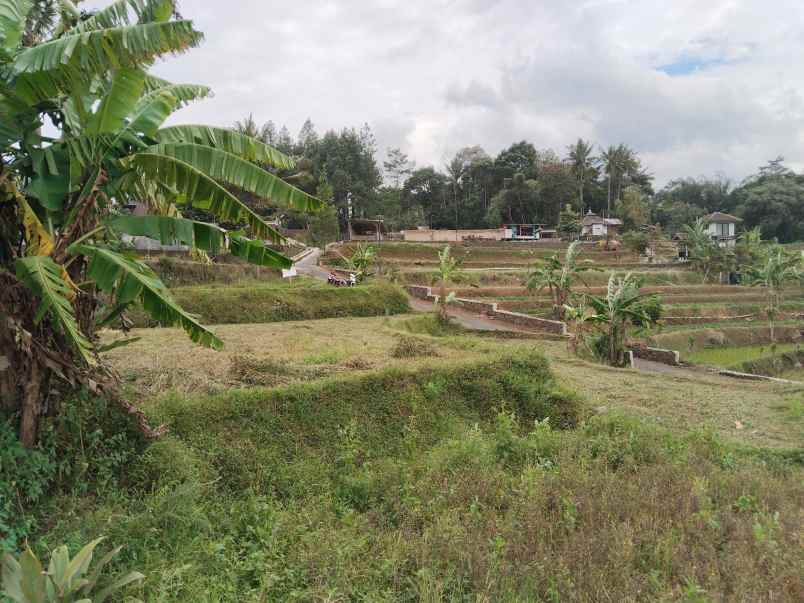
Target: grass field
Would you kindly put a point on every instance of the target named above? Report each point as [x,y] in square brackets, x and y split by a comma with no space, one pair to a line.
[458,467]
[390,458]
[728,356]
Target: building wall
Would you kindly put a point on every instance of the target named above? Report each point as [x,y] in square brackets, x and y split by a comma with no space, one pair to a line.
[448,236]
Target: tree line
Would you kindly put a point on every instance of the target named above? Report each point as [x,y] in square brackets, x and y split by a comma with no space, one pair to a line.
[521,184]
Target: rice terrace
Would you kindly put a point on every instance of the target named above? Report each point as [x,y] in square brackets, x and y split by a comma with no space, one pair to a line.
[409,360]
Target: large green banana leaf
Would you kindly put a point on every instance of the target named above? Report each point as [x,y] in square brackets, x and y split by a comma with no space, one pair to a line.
[44,277]
[74,60]
[201,191]
[129,279]
[229,168]
[230,141]
[12,22]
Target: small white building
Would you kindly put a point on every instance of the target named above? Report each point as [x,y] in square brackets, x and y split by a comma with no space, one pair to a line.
[722,228]
[593,226]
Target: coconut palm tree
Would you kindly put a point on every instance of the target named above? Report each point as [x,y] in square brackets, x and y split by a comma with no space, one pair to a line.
[583,165]
[64,271]
[558,277]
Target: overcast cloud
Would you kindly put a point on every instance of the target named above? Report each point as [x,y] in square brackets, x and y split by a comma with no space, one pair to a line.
[697,87]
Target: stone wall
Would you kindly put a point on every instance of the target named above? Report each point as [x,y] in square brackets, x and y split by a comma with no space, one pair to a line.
[490,310]
[452,236]
[671,357]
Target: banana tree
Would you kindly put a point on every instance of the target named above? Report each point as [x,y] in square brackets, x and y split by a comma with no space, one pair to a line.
[64,268]
[774,272]
[622,306]
[558,277]
[447,268]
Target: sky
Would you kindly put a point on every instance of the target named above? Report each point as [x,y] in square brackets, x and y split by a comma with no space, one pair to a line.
[697,87]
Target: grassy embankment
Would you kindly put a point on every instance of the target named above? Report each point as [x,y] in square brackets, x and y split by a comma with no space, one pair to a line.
[303,299]
[425,477]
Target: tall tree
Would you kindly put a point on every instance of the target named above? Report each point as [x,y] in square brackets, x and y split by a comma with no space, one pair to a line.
[397,167]
[773,199]
[584,166]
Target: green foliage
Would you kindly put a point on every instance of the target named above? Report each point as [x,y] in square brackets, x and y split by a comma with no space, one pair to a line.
[59,225]
[775,270]
[25,476]
[393,485]
[83,449]
[258,303]
[622,306]
[323,225]
[569,223]
[559,277]
[66,580]
[636,241]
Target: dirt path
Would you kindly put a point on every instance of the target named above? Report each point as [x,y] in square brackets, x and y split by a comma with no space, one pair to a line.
[466,319]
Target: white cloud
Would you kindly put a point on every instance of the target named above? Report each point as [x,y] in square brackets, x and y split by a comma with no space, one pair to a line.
[433,76]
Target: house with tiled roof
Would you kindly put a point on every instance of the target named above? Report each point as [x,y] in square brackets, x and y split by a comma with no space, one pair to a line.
[723,228]
[594,226]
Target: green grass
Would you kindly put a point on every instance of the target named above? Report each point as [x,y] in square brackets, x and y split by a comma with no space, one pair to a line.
[302,300]
[730,356]
[439,483]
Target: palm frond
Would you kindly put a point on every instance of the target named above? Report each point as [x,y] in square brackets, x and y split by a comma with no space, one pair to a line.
[44,278]
[229,168]
[233,142]
[13,14]
[201,191]
[74,60]
[129,279]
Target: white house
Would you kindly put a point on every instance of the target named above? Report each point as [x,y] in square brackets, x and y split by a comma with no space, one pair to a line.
[593,226]
[722,228]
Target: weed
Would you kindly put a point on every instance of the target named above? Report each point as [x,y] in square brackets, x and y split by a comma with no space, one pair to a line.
[412,347]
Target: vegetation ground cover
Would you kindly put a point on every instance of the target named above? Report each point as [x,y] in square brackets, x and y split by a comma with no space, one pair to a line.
[277,301]
[728,356]
[433,482]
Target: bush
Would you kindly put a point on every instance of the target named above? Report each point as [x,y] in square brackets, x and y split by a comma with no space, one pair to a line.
[85,449]
[25,477]
[412,347]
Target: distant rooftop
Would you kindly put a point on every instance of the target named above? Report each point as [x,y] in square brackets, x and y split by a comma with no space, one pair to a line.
[719,216]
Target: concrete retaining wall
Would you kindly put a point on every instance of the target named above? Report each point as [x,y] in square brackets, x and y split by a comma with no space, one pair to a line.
[490,309]
[671,357]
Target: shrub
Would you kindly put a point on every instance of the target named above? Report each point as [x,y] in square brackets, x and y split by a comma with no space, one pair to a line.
[25,476]
[412,347]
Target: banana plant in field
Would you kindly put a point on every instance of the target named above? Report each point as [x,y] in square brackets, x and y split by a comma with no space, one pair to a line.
[558,277]
[82,134]
[622,306]
[774,271]
[448,266]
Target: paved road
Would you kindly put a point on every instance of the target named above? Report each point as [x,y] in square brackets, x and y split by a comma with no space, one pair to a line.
[308,265]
